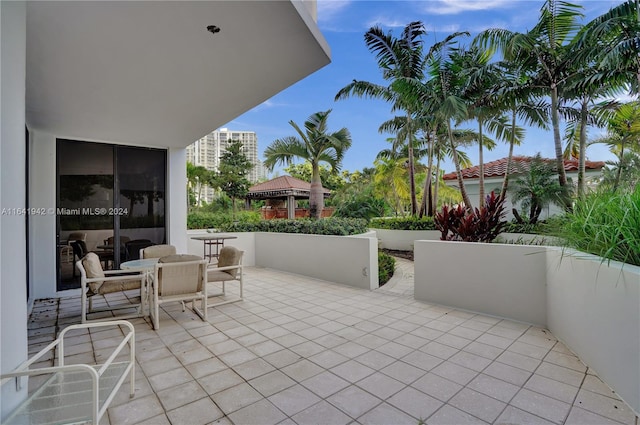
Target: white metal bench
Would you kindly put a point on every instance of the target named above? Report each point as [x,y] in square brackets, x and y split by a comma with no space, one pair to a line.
[77,393]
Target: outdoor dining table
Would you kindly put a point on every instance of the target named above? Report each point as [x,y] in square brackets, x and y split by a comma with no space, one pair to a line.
[213,240]
[146,265]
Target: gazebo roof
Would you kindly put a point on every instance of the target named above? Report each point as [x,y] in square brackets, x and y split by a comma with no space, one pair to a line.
[519,164]
[281,187]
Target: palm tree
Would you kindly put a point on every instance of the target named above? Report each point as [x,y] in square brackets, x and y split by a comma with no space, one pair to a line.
[481,76]
[623,132]
[443,90]
[614,40]
[402,64]
[197,177]
[544,54]
[537,188]
[314,145]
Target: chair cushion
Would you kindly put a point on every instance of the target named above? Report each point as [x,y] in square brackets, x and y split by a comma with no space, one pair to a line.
[179,258]
[230,256]
[117,286]
[214,275]
[157,251]
[93,269]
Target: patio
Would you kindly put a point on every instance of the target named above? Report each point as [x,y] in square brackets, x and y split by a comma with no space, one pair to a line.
[300,350]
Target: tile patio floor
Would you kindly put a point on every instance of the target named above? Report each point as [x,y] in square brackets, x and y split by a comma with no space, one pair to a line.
[304,351]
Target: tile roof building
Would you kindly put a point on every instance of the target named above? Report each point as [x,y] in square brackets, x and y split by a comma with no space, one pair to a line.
[494,172]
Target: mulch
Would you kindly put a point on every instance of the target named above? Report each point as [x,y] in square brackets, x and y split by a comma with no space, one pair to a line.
[407,255]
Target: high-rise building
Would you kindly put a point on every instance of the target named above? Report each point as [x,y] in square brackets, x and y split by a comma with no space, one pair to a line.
[207,151]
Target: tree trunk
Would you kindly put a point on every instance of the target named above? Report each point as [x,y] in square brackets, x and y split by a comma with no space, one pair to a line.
[481,164]
[436,185]
[426,206]
[316,197]
[412,177]
[456,161]
[512,142]
[616,183]
[583,146]
[555,121]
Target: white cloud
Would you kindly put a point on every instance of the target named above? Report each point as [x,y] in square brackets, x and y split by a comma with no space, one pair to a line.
[453,7]
[386,22]
[327,9]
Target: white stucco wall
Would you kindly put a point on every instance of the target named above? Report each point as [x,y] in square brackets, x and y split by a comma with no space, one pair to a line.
[495,279]
[403,240]
[13,299]
[351,261]
[594,308]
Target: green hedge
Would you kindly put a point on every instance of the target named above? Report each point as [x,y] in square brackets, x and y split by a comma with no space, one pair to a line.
[386,267]
[210,220]
[403,223]
[325,226]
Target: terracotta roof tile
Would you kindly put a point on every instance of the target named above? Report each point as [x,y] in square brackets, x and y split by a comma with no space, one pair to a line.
[518,165]
[283,183]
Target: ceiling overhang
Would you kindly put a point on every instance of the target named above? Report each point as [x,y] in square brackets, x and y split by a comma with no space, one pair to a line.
[149,73]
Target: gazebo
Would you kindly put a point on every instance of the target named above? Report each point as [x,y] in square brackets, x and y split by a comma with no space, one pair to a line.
[281,195]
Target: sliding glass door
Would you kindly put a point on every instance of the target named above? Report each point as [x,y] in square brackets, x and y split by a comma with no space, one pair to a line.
[111,201]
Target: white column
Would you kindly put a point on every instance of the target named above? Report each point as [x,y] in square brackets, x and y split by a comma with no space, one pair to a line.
[177,202]
[13,297]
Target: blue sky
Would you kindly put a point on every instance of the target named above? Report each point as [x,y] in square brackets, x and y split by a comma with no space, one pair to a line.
[343,23]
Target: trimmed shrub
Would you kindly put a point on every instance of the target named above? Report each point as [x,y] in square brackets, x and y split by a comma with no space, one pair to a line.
[386,267]
[403,223]
[210,220]
[325,226]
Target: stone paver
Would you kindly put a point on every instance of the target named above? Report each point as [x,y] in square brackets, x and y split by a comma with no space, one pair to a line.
[301,350]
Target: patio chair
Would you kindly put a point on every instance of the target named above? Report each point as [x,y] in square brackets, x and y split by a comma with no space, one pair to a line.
[157,251]
[133,248]
[80,251]
[95,281]
[178,278]
[229,268]
[66,248]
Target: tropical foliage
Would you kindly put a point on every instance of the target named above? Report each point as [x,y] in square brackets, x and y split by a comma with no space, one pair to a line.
[314,145]
[386,267]
[232,173]
[483,224]
[536,188]
[606,224]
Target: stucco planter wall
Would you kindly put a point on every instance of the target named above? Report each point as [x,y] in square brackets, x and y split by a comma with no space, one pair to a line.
[403,240]
[594,308]
[495,279]
[348,260]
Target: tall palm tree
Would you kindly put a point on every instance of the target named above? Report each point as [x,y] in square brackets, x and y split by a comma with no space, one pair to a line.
[614,40]
[314,145]
[443,89]
[623,133]
[402,63]
[481,76]
[544,53]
